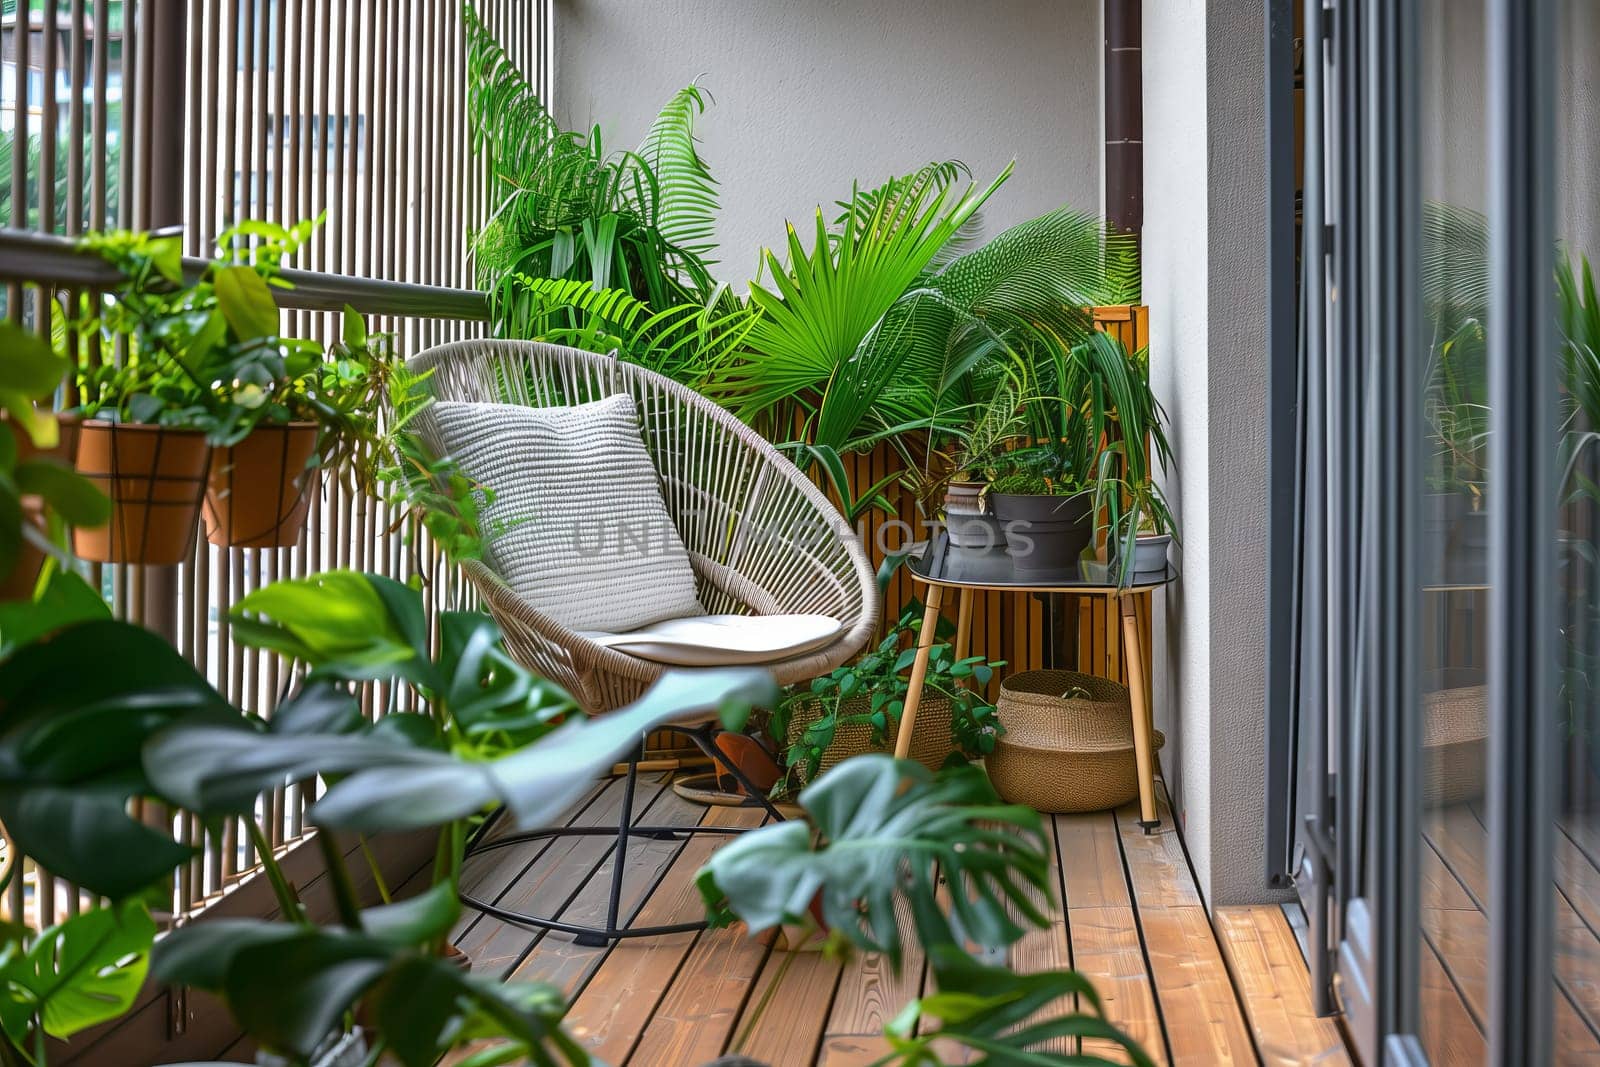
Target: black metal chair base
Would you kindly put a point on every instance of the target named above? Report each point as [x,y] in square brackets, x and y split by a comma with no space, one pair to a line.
[600,936]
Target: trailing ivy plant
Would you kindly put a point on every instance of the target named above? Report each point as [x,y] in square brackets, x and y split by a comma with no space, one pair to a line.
[870,691]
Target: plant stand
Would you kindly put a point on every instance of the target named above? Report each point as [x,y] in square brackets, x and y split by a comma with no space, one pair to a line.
[944,567]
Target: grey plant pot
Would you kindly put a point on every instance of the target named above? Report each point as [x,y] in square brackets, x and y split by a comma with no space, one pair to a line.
[1045,535]
[967,518]
[1150,552]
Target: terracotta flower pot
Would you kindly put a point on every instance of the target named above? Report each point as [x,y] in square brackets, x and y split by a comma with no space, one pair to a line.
[19,584]
[746,753]
[257,494]
[156,478]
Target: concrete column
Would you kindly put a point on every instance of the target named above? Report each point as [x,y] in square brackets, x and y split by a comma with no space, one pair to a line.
[1204,279]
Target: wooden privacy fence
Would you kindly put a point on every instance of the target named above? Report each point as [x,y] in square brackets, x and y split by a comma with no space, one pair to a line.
[1025,630]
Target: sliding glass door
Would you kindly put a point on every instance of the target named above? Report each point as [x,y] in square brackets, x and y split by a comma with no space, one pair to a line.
[1436,544]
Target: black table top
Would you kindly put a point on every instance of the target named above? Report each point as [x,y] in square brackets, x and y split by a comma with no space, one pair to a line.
[942,563]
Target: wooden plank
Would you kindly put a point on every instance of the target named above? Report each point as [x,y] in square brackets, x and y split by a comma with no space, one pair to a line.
[1047,948]
[1157,864]
[560,961]
[616,1005]
[1104,933]
[870,994]
[1203,1022]
[694,1021]
[782,1022]
[546,885]
[1275,986]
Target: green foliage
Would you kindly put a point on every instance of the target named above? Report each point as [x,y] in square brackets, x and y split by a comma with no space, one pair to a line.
[1081,404]
[1003,1016]
[889,829]
[431,490]
[635,221]
[74,975]
[76,746]
[30,370]
[871,692]
[887,839]
[823,350]
[348,626]
[70,750]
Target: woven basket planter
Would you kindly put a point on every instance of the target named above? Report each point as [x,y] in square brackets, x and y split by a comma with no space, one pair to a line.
[931,741]
[1065,753]
[1454,744]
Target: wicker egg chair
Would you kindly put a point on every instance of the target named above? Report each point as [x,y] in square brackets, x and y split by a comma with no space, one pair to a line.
[761,538]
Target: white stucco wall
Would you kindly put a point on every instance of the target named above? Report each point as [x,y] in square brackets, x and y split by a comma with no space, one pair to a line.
[1205,281]
[810,96]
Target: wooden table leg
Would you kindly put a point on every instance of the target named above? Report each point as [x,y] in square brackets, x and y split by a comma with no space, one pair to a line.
[1143,733]
[964,624]
[919,671]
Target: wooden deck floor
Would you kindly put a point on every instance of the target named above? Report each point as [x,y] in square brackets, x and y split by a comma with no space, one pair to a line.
[1194,992]
[1455,929]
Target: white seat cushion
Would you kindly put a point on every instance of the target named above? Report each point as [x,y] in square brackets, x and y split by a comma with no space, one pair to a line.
[578,527]
[723,640]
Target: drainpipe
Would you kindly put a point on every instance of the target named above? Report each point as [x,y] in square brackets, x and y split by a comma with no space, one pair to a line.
[1124,116]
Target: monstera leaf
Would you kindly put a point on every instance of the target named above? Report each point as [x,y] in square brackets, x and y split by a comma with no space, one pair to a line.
[387,783]
[888,828]
[76,974]
[1004,1016]
[71,736]
[289,985]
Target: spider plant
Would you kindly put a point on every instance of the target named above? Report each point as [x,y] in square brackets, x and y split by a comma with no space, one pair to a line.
[1081,403]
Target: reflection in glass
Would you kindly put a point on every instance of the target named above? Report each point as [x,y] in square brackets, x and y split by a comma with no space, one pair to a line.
[1577,838]
[1457,499]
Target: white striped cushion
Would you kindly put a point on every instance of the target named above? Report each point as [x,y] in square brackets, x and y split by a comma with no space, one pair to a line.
[578,526]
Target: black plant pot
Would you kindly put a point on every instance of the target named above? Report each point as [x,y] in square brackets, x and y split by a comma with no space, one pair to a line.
[1045,535]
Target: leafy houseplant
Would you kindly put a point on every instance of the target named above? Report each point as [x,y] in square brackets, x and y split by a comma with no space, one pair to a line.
[1138,523]
[886,838]
[206,367]
[77,745]
[1089,415]
[857,707]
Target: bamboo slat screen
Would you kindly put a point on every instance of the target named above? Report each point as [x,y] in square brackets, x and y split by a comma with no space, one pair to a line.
[204,113]
[1018,628]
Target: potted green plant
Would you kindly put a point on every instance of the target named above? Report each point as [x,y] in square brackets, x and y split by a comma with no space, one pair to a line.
[1138,524]
[209,405]
[856,708]
[1079,403]
[968,517]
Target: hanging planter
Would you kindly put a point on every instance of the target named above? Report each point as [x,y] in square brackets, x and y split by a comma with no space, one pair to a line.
[155,477]
[24,576]
[257,495]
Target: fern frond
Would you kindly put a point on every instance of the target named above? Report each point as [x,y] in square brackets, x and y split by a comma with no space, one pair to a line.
[685,201]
